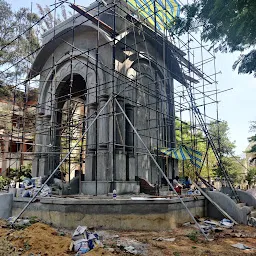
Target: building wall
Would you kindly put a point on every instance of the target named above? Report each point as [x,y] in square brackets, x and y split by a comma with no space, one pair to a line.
[114,151]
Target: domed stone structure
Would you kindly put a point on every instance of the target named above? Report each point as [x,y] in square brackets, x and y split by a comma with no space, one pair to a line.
[87,59]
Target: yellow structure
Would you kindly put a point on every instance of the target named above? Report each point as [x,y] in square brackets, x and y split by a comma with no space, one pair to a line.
[165,10]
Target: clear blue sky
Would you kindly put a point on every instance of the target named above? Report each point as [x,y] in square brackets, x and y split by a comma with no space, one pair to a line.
[236,106]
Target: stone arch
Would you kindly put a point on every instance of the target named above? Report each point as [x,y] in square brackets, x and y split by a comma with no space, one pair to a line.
[146,119]
[80,66]
[64,31]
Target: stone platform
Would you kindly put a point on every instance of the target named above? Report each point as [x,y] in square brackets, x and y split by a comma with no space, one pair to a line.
[5,205]
[106,213]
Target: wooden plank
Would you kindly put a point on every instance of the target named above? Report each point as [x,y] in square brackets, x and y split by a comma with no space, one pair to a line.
[96,21]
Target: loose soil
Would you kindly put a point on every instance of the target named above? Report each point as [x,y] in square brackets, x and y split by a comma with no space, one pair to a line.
[44,240]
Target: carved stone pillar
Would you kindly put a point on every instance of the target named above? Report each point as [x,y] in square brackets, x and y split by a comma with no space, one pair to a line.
[38,147]
[129,134]
[44,162]
[5,148]
[91,138]
[120,125]
[103,123]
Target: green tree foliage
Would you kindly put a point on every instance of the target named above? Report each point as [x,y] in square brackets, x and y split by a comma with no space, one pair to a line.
[219,132]
[20,173]
[13,52]
[228,24]
[195,139]
[19,41]
[251,176]
[252,138]
[233,167]
[4,181]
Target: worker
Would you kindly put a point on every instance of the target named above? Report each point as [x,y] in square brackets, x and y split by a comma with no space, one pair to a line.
[177,186]
[187,182]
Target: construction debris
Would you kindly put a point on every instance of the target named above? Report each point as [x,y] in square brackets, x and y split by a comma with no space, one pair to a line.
[164,239]
[214,226]
[252,221]
[41,239]
[242,246]
[83,241]
[227,223]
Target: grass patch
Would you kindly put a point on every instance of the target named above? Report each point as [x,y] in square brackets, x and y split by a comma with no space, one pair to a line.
[193,236]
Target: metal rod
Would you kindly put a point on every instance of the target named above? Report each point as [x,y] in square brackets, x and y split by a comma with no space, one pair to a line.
[215,204]
[159,168]
[62,161]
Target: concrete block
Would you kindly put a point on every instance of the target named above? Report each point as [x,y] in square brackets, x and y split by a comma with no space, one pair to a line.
[228,205]
[126,187]
[89,187]
[102,163]
[131,168]
[120,166]
[246,197]
[6,201]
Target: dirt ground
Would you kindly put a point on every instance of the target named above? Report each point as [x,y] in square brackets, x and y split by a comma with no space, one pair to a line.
[41,239]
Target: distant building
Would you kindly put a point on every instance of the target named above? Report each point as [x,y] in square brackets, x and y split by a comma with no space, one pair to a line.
[250,156]
[17,130]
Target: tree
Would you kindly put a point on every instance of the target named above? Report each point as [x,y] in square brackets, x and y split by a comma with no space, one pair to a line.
[16,42]
[219,132]
[197,140]
[233,167]
[228,24]
[252,138]
[20,38]
[251,176]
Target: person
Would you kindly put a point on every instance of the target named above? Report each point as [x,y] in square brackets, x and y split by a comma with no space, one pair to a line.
[187,182]
[177,186]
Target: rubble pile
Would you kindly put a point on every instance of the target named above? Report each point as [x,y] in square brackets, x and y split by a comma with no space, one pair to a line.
[28,237]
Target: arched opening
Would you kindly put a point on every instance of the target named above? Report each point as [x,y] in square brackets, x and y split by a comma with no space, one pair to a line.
[155,119]
[70,116]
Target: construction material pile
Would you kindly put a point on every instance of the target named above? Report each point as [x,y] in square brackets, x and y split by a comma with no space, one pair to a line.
[32,238]
[29,187]
[84,240]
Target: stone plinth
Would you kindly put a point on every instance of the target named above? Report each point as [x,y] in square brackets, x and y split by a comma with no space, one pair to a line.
[119,214]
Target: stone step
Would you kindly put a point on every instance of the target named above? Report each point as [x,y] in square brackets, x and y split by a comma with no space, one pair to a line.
[251,207]
[253,214]
[241,205]
[164,188]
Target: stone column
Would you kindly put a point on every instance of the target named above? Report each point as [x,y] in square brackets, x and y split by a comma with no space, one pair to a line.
[91,138]
[129,143]
[129,134]
[172,114]
[91,144]
[5,148]
[120,124]
[103,123]
[44,167]
[38,148]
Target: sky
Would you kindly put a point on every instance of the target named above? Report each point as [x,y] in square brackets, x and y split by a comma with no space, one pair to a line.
[236,106]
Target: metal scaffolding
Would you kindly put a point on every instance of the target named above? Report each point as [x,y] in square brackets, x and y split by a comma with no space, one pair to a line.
[171,80]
